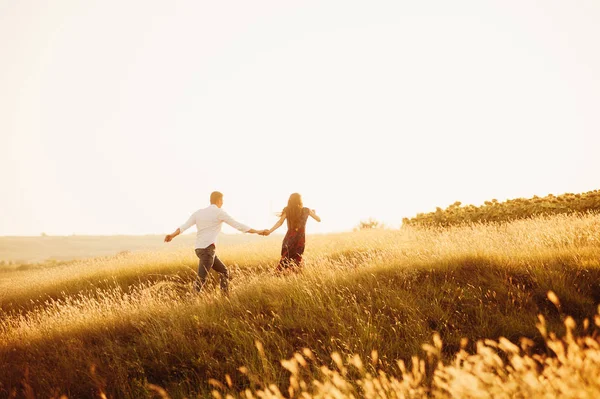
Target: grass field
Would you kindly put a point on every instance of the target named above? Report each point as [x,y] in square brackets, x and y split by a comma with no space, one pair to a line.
[121,325]
[28,252]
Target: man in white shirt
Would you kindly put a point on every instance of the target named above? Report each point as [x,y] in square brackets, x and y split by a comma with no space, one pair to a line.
[208,221]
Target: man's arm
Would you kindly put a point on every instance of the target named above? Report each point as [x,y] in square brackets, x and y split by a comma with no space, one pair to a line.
[224,217]
[182,228]
[174,234]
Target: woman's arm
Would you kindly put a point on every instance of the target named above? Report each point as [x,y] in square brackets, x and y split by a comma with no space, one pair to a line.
[278,224]
[312,213]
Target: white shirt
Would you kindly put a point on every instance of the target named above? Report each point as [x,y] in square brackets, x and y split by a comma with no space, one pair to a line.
[208,222]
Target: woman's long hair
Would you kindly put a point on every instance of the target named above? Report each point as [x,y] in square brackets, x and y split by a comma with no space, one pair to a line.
[293,211]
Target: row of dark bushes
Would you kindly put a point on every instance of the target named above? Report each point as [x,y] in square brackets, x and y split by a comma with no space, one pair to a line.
[520,208]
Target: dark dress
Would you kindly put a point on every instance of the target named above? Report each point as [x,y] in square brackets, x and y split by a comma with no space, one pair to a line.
[292,247]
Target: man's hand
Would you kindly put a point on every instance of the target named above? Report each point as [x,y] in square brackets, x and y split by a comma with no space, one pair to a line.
[174,234]
[264,232]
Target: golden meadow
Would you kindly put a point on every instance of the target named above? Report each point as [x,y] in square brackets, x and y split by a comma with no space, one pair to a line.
[463,312]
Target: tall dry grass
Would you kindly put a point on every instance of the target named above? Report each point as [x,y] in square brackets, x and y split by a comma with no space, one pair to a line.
[135,319]
[569,368]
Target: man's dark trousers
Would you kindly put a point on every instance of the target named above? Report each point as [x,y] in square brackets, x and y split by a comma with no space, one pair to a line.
[208,260]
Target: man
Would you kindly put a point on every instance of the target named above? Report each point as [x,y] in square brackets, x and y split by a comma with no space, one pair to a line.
[208,222]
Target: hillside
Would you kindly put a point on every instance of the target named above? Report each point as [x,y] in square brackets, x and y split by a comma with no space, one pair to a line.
[115,325]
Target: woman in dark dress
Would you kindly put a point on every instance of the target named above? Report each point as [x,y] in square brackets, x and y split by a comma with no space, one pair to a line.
[292,247]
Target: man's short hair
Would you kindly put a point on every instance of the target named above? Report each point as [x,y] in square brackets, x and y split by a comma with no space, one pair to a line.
[215,196]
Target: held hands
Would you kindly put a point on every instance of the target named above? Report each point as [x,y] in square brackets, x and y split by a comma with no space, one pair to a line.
[264,232]
[168,238]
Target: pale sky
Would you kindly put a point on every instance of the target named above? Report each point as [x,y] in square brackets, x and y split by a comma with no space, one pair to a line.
[120,117]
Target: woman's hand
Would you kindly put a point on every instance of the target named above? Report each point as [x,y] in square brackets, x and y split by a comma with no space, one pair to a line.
[313,214]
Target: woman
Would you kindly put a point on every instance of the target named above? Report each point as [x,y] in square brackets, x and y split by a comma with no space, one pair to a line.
[293,243]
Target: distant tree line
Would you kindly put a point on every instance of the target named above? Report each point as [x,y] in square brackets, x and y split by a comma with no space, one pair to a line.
[369,224]
[520,208]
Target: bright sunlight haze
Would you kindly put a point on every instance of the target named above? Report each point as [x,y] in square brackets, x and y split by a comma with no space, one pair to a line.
[122,117]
